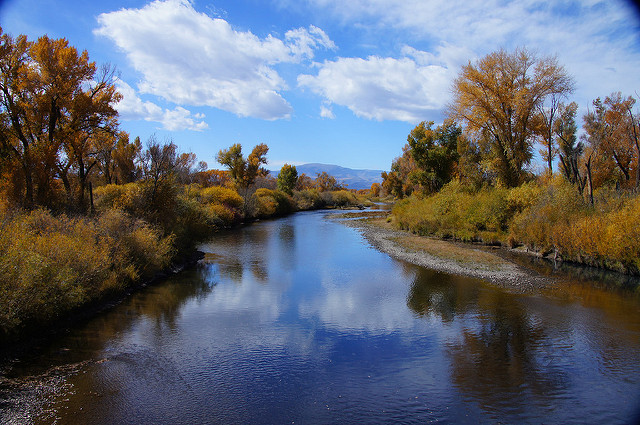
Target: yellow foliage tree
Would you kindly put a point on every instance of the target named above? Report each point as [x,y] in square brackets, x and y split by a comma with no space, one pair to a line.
[497,98]
[52,103]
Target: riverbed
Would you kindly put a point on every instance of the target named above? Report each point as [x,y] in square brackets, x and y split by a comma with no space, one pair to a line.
[303,320]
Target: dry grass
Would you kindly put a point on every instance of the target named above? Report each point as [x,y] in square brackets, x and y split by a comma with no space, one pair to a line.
[450,251]
[464,255]
[364,214]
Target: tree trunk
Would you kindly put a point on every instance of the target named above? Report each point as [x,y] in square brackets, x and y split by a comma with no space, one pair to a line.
[621,167]
[637,145]
[550,159]
[63,173]
[565,168]
[82,181]
[93,210]
[589,180]
[28,181]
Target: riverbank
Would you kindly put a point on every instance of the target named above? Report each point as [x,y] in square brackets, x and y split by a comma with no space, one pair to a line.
[481,262]
[34,336]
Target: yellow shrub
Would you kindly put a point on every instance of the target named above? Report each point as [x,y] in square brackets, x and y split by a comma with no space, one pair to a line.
[51,265]
[606,235]
[343,198]
[117,196]
[524,196]
[266,203]
[457,211]
[269,203]
[308,199]
[222,196]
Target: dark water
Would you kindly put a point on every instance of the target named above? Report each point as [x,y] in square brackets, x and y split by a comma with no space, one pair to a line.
[299,320]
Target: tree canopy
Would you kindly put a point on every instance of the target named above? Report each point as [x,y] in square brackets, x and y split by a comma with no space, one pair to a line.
[287,178]
[497,99]
[435,153]
[244,170]
[54,106]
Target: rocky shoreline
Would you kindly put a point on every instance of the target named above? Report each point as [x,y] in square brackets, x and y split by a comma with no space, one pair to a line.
[446,256]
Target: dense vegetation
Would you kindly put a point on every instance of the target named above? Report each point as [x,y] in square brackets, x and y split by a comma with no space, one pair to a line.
[474,181]
[85,212]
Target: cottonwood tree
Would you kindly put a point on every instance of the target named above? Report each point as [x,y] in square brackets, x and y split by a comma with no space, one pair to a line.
[375,189]
[398,182]
[570,151]
[326,182]
[52,101]
[612,134]
[610,157]
[162,165]
[544,123]
[435,153]
[244,171]
[126,158]
[109,149]
[287,178]
[497,97]
[304,182]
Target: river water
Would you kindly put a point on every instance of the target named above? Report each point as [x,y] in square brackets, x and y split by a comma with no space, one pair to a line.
[299,320]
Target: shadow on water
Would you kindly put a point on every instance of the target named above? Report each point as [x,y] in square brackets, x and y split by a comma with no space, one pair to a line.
[446,295]
[568,271]
[515,353]
[33,382]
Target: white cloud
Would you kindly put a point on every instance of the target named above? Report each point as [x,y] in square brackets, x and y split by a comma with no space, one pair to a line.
[301,41]
[131,107]
[326,111]
[189,58]
[405,89]
[180,118]
[596,40]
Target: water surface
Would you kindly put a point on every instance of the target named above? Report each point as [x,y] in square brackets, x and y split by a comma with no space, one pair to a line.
[299,320]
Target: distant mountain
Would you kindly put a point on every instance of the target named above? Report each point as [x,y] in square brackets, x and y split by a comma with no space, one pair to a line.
[354,179]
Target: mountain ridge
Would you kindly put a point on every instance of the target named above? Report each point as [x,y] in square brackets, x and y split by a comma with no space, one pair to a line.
[353,178]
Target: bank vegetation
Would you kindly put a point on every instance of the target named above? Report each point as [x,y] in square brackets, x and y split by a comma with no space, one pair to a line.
[87,212]
[475,178]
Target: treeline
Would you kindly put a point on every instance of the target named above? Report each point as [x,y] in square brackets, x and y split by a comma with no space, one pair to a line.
[85,212]
[473,178]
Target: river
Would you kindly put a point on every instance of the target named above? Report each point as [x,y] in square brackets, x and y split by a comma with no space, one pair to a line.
[299,320]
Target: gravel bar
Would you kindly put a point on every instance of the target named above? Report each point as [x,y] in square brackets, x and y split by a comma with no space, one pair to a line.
[501,272]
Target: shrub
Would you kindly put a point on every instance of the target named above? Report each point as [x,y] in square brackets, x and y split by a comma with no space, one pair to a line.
[308,199]
[51,265]
[221,196]
[541,224]
[457,211]
[523,197]
[272,203]
[605,235]
[342,198]
[136,249]
[186,212]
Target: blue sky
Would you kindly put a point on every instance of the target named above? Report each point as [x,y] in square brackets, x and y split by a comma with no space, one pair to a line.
[331,81]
